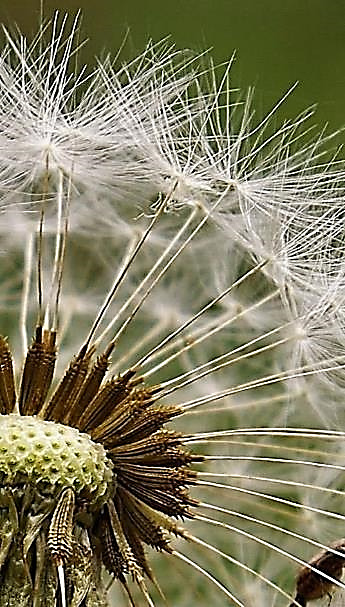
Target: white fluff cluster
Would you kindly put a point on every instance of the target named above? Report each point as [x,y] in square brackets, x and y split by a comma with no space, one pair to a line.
[229,237]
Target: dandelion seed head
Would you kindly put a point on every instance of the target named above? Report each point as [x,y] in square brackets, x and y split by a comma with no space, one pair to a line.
[179,264]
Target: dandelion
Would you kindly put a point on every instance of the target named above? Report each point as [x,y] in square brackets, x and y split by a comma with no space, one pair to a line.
[181,273]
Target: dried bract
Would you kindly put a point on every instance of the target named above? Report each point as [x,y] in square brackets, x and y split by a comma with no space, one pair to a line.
[310,585]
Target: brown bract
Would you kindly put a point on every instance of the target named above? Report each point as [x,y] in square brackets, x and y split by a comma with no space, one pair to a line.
[310,585]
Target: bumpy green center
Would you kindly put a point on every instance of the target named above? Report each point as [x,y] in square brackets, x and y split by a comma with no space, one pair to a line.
[53,456]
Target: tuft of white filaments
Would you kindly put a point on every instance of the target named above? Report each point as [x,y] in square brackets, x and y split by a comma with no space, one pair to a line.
[145,205]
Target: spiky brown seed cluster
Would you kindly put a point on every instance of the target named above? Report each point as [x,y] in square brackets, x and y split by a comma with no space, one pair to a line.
[89,476]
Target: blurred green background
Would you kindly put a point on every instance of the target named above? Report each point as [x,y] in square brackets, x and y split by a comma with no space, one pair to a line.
[277,42]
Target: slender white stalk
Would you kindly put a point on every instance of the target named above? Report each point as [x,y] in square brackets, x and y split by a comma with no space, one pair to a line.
[57,254]
[262,523]
[221,365]
[206,334]
[277,481]
[154,283]
[149,337]
[123,271]
[39,260]
[149,356]
[123,268]
[231,559]
[258,445]
[273,547]
[272,432]
[210,577]
[239,406]
[183,343]
[61,576]
[274,498]
[27,272]
[61,260]
[197,229]
[266,381]
[146,279]
[275,460]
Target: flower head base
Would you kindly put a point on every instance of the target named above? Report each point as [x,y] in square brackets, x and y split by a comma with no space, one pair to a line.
[94,499]
[51,457]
